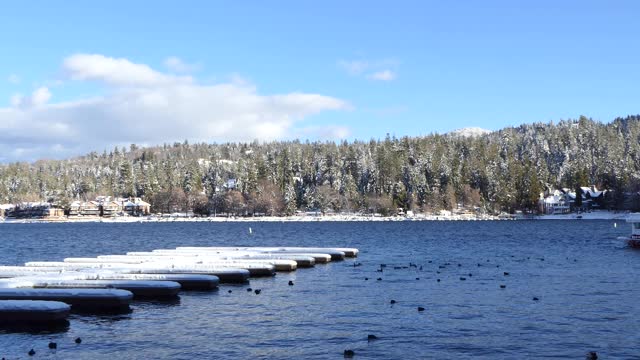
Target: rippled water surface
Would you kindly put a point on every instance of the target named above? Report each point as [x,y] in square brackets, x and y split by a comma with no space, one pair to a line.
[586,281]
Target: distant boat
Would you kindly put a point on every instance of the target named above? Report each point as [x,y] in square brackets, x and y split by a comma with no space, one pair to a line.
[634,240]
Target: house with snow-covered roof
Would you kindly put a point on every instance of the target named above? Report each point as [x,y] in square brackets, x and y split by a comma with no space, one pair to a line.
[4,208]
[555,202]
[564,200]
[32,210]
[135,206]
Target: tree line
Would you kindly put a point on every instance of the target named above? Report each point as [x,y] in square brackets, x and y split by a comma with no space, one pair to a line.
[505,170]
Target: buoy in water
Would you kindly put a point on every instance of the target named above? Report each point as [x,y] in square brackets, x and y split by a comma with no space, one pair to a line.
[31,352]
[371,337]
[78,340]
[420,308]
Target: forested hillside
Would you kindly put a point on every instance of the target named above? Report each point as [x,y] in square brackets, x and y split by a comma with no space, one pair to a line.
[500,171]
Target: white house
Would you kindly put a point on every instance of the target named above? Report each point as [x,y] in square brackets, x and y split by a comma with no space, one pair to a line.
[563,201]
[555,203]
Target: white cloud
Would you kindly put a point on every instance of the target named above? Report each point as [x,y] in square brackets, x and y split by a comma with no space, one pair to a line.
[14,79]
[119,72]
[39,97]
[384,75]
[177,65]
[145,106]
[382,70]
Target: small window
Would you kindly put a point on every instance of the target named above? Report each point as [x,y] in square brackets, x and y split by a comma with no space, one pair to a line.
[636,225]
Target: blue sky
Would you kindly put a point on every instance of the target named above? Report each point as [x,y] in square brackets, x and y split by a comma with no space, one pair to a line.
[79,76]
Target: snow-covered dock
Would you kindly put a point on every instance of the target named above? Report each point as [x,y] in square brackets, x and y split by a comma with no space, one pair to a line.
[139,288]
[32,312]
[225,272]
[186,281]
[240,254]
[110,282]
[278,264]
[336,253]
[86,299]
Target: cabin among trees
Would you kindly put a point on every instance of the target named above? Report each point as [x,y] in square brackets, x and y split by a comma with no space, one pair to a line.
[40,210]
[564,201]
[105,206]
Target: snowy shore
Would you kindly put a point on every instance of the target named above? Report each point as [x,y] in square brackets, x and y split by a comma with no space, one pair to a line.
[594,215]
[325,218]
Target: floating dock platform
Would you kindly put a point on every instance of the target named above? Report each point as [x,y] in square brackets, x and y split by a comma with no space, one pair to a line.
[46,291]
[16,313]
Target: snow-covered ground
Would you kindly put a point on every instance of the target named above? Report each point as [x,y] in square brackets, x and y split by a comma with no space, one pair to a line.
[297,218]
[593,215]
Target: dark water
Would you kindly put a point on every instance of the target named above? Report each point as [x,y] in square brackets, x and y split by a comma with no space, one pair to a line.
[586,281]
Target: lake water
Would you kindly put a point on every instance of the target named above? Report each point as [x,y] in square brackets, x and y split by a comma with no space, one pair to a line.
[586,282]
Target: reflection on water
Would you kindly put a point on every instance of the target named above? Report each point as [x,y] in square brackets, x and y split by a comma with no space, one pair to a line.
[584,279]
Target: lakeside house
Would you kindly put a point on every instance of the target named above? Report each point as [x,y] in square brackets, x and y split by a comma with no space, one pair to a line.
[135,206]
[33,210]
[564,201]
[4,208]
[102,206]
[555,203]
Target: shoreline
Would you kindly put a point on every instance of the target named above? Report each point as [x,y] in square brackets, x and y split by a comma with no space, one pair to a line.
[595,215]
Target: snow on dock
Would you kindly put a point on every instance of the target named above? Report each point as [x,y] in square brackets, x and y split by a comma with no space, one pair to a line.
[254,270]
[89,299]
[139,288]
[225,275]
[279,264]
[318,257]
[186,281]
[45,290]
[336,253]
